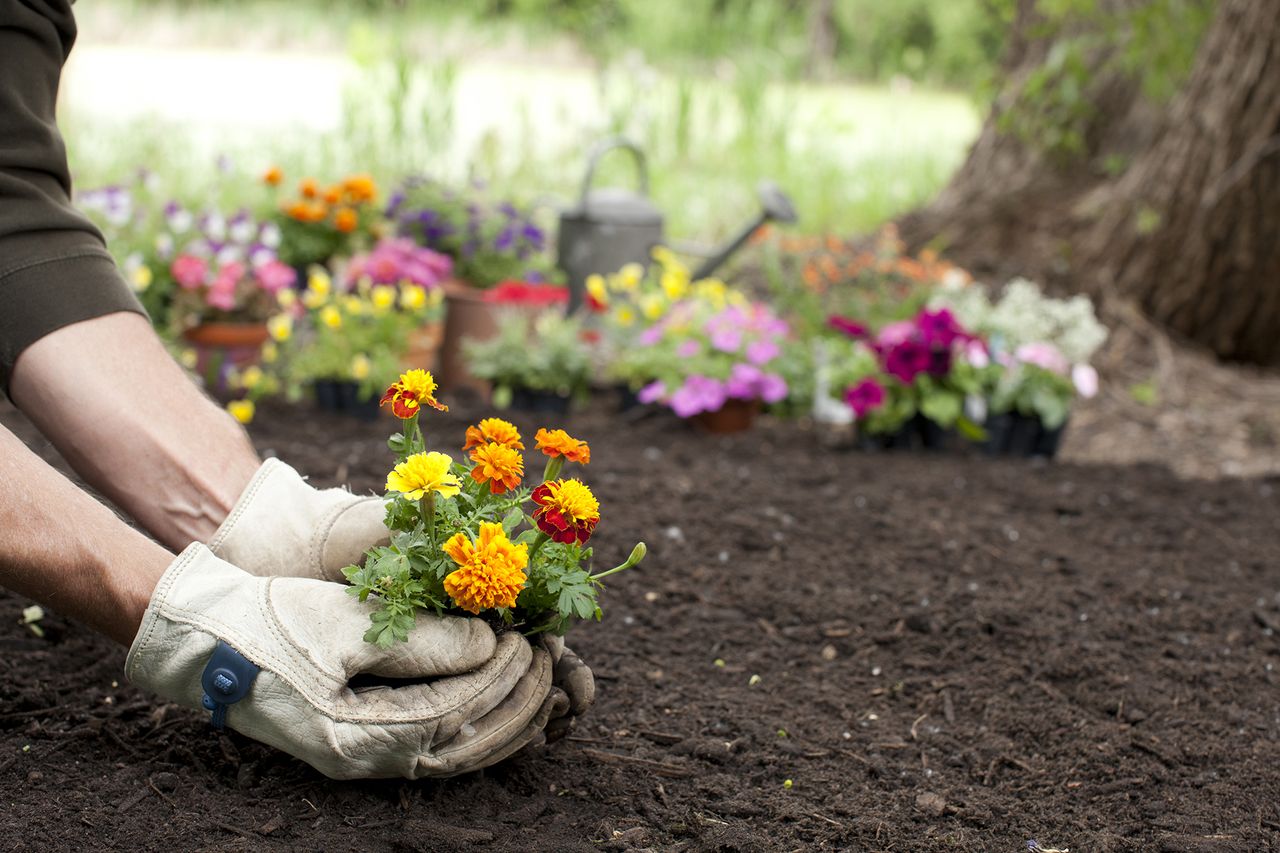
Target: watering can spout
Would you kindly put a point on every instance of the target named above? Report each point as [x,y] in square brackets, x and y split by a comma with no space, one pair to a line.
[775,206]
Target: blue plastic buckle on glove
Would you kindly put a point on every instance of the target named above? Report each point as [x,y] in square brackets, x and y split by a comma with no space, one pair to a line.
[226,680]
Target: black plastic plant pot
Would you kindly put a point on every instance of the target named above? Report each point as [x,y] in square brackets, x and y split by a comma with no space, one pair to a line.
[543,402]
[326,391]
[934,436]
[627,399]
[997,428]
[1049,440]
[1016,434]
[343,397]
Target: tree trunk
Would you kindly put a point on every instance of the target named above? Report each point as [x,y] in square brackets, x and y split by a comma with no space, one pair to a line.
[1191,231]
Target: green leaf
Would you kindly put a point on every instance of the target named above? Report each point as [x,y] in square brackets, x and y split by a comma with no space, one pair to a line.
[512,520]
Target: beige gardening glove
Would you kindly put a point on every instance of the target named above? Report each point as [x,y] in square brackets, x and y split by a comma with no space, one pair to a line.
[483,697]
[283,526]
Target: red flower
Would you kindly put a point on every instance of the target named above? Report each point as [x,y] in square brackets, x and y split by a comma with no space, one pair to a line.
[527,293]
[567,511]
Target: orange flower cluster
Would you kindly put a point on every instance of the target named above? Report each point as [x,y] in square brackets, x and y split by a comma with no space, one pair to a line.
[338,205]
[491,570]
[829,260]
[557,442]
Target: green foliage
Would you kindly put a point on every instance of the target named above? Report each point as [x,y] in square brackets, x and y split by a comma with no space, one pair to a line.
[544,352]
[1153,42]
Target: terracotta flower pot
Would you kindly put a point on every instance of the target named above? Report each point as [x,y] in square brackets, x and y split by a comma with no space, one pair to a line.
[467,317]
[733,416]
[424,347]
[219,347]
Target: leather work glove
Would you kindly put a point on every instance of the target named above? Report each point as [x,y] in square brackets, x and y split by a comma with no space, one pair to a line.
[283,526]
[295,643]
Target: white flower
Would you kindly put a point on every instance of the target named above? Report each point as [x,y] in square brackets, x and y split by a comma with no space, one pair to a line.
[1085,379]
[270,235]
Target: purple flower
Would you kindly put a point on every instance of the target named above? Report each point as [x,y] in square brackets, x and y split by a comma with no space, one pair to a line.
[762,352]
[726,339]
[651,336]
[505,240]
[896,333]
[652,392]
[698,394]
[744,382]
[939,328]
[907,360]
[867,396]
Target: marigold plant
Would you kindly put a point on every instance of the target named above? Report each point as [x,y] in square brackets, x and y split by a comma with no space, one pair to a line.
[467,536]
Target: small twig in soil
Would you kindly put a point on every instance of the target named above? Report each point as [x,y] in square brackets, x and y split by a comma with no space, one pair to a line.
[659,768]
[21,715]
[948,710]
[665,738]
[162,795]
[915,733]
[827,819]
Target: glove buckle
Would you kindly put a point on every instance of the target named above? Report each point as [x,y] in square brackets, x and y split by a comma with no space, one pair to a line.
[226,680]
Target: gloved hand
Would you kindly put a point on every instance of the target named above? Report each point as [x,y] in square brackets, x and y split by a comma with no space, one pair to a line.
[283,526]
[487,696]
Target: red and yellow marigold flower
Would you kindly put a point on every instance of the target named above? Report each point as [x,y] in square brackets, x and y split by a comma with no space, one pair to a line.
[495,431]
[491,570]
[423,473]
[414,388]
[559,443]
[567,511]
[500,466]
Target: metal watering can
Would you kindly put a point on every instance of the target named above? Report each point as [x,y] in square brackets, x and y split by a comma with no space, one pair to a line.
[612,227]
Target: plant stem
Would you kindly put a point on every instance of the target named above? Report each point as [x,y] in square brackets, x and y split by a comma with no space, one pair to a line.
[537,543]
[554,464]
[637,554]
[428,506]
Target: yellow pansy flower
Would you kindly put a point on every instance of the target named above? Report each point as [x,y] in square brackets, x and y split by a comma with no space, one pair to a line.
[280,327]
[287,298]
[629,277]
[413,298]
[383,297]
[141,278]
[189,359]
[597,289]
[625,316]
[252,377]
[241,410]
[360,367]
[331,317]
[270,353]
[674,284]
[653,306]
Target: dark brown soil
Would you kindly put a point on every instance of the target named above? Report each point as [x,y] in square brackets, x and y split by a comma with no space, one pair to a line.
[939,653]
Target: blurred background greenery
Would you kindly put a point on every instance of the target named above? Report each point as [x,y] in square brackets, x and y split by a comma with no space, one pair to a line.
[860,109]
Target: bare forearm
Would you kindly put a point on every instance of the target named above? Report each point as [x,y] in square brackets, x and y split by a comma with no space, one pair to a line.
[130,422]
[63,548]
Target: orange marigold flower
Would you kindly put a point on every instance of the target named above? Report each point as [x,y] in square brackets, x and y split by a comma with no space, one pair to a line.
[494,430]
[345,220]
[490,570]
[360,188]
[406,396]
[309,188]
[500,466]
[333,195]
[273,176]
[567,511]
[559,443]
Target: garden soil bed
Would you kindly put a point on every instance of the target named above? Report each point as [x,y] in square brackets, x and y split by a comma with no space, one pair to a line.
[939,652]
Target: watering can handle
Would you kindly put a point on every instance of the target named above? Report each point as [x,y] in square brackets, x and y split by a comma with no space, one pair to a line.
[604,147]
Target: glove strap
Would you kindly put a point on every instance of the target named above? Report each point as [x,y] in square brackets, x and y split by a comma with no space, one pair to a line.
[226,680]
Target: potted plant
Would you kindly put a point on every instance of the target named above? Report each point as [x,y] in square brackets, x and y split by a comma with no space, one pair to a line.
[908,383]
[418,274]
[537,362]
[345,345]
[489,242]
[1041,348]
[321,223]
[701,348]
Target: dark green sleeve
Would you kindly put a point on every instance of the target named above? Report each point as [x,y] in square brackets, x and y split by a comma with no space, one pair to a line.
[54,265]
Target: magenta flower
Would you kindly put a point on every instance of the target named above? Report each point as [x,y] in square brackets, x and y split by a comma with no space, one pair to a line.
[698,394]
[275,276]
[773,388]
[726,339]
[1043,355]
[651,335]
[688,349]
[744,382]
[762,352]
[847,326]
[653,392]
[896,333]
[867,396]
[396,260]
[189,271]
[939,328]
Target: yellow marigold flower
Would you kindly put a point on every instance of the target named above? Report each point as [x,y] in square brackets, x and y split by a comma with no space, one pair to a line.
[490,571]
[422,473]
[141,278]
[383,297]
[241,410]
[413,297]
[414,388]
[496,431]
[252,377]
[567,510]
[597,289]
[675,285]
[320,282]
[662,255]
[629,276]
[331,317]
[360,367]
[652,306]
[559,443]
[189,358]
[270,353]
[500,466]
[281,327]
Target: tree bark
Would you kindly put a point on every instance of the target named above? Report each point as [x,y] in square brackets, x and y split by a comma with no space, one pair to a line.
[1190,232]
